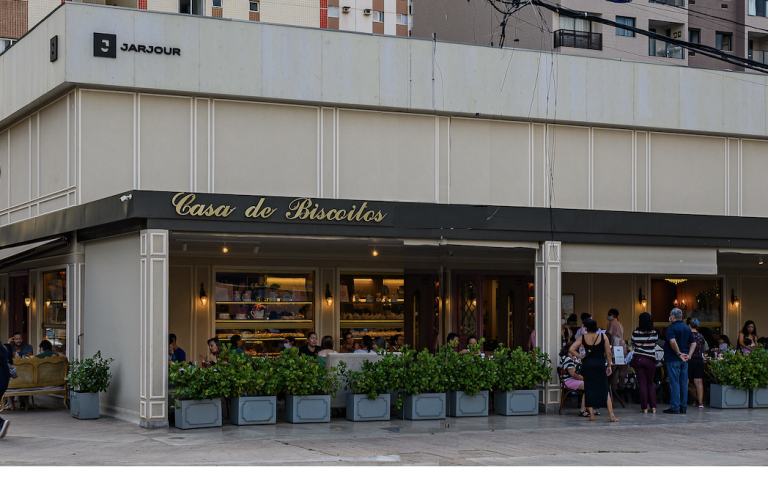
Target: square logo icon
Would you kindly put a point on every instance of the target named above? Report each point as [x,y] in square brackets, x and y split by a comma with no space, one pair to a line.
[104,45]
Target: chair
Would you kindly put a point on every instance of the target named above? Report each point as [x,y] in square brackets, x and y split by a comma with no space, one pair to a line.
[565,391]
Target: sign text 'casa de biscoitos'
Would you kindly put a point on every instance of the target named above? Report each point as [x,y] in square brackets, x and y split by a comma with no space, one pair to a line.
[299,209]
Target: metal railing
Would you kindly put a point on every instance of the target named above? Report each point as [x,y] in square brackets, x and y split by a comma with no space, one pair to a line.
[757,56]
[658,48]
[674,3]
[579,39]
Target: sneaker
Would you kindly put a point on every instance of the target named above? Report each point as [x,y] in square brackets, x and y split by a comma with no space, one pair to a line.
[4,428]
[701,405]
[670,410]
[683,410]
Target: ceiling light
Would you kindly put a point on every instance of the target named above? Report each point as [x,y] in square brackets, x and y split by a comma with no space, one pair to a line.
[375,252]
[224,248]
[676,281]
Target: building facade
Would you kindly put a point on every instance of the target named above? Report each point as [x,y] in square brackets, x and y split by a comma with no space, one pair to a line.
[332,182]
[738,27]
[390,17]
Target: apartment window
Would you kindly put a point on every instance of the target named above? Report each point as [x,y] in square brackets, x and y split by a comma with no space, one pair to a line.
[378,16]
[757,8]
[569,23]
[194,7]
[723,41]
[402,19]
[5,44]
[694,36]
[254,6]
[626,21]
[333,11]
[216,3]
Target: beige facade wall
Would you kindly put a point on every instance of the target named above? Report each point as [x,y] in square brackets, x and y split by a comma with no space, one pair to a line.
[163,121]
[233,9]
[112,316]
[38,9]
[163,5]
[293,12]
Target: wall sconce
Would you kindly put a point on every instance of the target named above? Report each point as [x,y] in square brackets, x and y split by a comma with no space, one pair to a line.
[225,248]
[683,304]
[29,298]
[328,296]
[375,252]
[203,295]
[641,298]
[48,303]
[676,303]
[734,299]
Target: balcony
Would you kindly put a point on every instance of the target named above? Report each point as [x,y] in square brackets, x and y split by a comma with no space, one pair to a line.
[658,48]
[757,56]
[579,39]
[673,3]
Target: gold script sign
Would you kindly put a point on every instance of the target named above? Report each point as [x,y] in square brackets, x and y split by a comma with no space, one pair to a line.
[298,209]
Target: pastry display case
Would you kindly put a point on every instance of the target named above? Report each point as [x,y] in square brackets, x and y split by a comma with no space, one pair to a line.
[264,308]
[55,310]
[371,304]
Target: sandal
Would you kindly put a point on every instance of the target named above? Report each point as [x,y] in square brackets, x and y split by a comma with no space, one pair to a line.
[584,413]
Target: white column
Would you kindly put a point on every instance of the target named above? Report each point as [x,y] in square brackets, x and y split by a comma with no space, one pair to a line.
[154,329]
[548,289]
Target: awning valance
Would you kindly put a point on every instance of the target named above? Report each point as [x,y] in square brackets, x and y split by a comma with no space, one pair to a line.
[12,254]
[617,259]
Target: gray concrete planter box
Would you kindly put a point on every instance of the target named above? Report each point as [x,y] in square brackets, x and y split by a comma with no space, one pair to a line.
[198,414]
[727,396]
[362,409]
[523,402]
[423,407]
[758,398]
[307,409]
[254,410]
[461,404]
[84,405]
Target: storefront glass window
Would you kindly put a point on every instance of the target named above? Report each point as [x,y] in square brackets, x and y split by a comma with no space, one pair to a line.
[264,308]
[468,314]
[55,310]
[372,304]
[699,298]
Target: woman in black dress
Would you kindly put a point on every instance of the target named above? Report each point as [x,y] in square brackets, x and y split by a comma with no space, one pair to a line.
[594,369]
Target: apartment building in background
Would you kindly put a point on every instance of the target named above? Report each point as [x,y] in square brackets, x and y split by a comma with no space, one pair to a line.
[739,27]
[384,17]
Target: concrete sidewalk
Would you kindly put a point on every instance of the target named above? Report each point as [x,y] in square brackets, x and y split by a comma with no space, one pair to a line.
[702,437]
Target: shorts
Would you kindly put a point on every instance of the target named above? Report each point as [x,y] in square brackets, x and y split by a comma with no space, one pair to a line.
[696,368]
[572,384]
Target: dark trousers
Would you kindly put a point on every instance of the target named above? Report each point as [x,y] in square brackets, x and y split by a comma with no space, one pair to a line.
[3,388]
[645,368]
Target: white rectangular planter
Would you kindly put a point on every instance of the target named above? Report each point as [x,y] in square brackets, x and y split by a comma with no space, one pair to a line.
[727,396]
[423,407]
[84,405]
[758,398]
[461,404]
[307,409]
[362,409]
[198,414]
[254,410]
[523,402]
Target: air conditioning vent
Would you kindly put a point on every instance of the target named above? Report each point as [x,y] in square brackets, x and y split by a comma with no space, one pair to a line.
[724,5]
[367,12]
[345,10]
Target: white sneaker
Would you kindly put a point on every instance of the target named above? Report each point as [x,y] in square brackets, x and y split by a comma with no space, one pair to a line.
[4,428]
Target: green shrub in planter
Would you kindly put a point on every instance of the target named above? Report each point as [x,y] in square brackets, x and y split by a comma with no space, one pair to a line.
[730,369]
[422,381]
[253,384]
[194,383]
[370,386]
[516,374]
[88,377]
[467,377]
[309,387]
[755,371]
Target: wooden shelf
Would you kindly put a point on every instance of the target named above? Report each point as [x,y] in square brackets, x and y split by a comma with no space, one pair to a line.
[271,303]
[374,302]
[371,323]
[241,324]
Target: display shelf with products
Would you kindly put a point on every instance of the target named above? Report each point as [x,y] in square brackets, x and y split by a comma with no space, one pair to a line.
[264,308]
[54,323]
[372,304]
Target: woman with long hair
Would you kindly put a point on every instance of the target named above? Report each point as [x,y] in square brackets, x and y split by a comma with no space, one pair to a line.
[594,370]
[367,347]
[748,337]
[644,340]
[214,349]
[310,348]
[696,362]
[571,379]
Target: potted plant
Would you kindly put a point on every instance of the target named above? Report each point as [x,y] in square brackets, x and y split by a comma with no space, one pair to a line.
[253,386]
[468,378]
[88,377]
[421,379]
[308,386]
[517,373]
[198,392]
[730,389]
[369,399]
[757,373]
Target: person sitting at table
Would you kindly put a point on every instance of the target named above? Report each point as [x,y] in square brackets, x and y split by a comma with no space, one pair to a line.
[175,353]
[748,337]
[349,342]
[453,337]
[18,348]
[763,342]
[380,343]
[288,342]
[367,347]
[326,348]
[396,343]
[725,343]
[236,341]
[214,349]
[572,380]
[471,340]
[46,350]
[310,348]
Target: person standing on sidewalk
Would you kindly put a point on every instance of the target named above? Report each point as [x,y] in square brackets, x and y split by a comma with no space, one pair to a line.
[644,361]
[679,343]
[696,361]
[5,378]
[615,332]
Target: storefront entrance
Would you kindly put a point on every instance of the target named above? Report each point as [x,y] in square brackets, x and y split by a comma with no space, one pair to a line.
[18,316]
[496,306]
